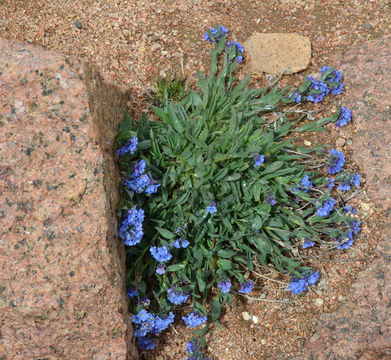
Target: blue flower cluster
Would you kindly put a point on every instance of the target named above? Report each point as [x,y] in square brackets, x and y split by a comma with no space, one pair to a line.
[246,287]
[194,319]
[146,323]
[176,296]
[211,209]
[317,90]
[130,146]
[350,210]
[270,200]
[348,181]
[345,242]
[238,49]
[306,184]
[161,269]
[330,184]
[217,34]
[131,228]
[298,285]
[181,243]
[326,208]
[259,159]
[224,286]
[140,182]
[132,292]
[160,254]
[194,351]
[332,79]
[344,117]
[308,243]
[336,161]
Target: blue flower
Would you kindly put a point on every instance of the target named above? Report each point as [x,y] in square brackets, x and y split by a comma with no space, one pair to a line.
[161,323]
[194,319]
[317,90]
[211,209]
[348,181]
[160,254]
[349,210]
[140,182]
[355,226]
[238,49]
[297,97]
[246,287]
[225,286]
[259,159]
[331,183]
[132,292]
[176,296]
[298,285]
[181,243]
[271,200]
[185,243]
[152,188]
[308,243]
[145,343]
[344,117]
[217,34]
[131,228]
[139,167]
[336,161]
[337,90]
[306,183]
[345,242]
[161,269]
[130,146]
[326,207]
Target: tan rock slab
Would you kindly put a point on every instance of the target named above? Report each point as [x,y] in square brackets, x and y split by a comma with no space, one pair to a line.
[62,290]
[276,53]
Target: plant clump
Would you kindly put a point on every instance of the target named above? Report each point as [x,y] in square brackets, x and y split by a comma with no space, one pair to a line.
[215,186]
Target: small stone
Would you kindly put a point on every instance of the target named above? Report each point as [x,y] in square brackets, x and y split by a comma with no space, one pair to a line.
[307,143]
[367,26]
[319,302]
[78,24]
[246,316]
[263,341]
[349,141]
[340,142]
[341,298]
[255,320]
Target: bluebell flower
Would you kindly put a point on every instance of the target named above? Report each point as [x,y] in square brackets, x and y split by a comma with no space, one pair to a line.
[333,76]
[217,34]
[317,90]
[225,286]
[336,161]
[144,302]
[344,117]
[211,209]
[177,296]
[180,243]
[146,343]
[139,167]
[130,146]
[132,292]
[152,187]
[131,228]
[348,181]
[259,159]
[176,244]
[238,49]
[160,254]
[330,183]
[297,97]
[355,226]
[194,319]
[270,200]
[345,242]
[191,346]
[349,210]
[246,287]
[326,207]
[337,90]
[161,269]
[306,183]
[185,243]
[161,323]
[308,243]
[298,285]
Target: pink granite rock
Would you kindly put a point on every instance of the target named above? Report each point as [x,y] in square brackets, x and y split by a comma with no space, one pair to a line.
[62,291]
[361,328]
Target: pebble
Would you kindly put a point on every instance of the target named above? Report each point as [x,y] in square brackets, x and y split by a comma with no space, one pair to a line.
[263,341]
[255,320]
[246,316]
[341,298]
[78,24]
[340,142]
[367,26]
[307,143]
[319,302]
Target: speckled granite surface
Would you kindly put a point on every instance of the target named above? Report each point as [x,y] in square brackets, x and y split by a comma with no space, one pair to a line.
[361,328]
[62,290]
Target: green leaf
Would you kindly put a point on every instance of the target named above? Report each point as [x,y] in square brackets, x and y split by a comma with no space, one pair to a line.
[175,267]
[165,233]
